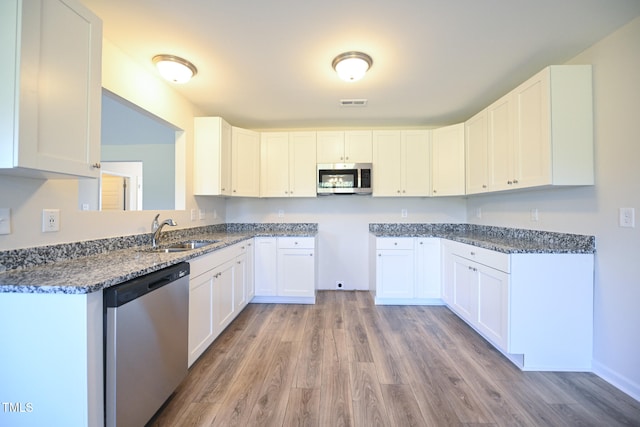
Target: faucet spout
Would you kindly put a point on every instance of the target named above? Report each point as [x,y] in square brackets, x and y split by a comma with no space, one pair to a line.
[158,230]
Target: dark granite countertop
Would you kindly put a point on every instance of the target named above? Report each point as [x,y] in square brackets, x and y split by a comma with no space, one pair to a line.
[81,274]
[499,239]
[85,267]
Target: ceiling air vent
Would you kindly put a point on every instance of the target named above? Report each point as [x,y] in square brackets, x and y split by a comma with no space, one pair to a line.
[353,102]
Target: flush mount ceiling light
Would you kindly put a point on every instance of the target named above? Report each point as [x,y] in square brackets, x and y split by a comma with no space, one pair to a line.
[174,68]
[352,66]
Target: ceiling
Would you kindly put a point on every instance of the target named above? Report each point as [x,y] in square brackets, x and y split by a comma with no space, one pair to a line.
[267,64]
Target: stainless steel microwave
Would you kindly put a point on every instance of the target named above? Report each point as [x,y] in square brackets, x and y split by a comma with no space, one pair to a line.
[344,178]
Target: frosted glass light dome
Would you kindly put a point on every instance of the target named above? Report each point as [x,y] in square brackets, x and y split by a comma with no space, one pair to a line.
[174,68]
[352,66]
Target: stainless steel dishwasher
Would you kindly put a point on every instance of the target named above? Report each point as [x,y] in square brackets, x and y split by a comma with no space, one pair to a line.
[146,332]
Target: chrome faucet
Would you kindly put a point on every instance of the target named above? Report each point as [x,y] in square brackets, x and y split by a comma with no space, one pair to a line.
[157,228]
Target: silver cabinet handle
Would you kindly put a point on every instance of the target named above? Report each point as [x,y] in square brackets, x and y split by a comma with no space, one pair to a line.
[96,165]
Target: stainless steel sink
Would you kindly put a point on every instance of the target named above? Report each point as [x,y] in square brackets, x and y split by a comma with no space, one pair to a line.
[183,246]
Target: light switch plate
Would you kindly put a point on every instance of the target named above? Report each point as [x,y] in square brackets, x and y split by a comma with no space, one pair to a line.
[627,217]
[5,221]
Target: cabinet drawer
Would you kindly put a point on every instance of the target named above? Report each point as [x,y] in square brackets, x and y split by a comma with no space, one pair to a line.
[493,259]
[238,249]
[394,243]
[296,242]
[204,263]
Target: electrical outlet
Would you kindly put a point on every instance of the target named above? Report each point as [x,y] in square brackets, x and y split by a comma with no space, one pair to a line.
[627,217]
[339,284]
[478,212]
[193,214]
[403,213]
[202,214]
[5,221]
[50,220]
[280,213]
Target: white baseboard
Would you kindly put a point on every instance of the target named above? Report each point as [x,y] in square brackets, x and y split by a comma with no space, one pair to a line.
[617,380]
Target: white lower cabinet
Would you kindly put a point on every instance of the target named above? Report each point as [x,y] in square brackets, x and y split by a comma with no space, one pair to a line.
[405,270]
[480,295]
[218,291]
[285,270]
[537,309]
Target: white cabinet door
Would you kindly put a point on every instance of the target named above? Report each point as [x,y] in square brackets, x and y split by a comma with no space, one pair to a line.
[239,283]
[223,289]
[476,151]
[344,147]
[250,289]
[330,147]
[448,161]
[296,272]
[500,118]
[302,164]
[245,160]
[387,163]
[274,164]
[265,266]
[394,273]
[532,144]
[465,289]
[357,146]
[401,163]
[416,163]
[51,88]
[427,268]
[212,157]
[201,332]
[493,304]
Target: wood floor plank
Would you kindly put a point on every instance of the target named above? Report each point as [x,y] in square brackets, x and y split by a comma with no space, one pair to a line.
[368,404]
[297,365]
[358,344]
[401,405]
[309,365]
[336,407]
[383,349]
[303,408]
[272,403]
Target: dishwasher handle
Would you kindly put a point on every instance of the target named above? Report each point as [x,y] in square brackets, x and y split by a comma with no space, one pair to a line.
[121,294]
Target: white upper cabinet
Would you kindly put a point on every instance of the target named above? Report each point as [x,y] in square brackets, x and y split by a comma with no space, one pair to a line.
[245,162]
[448,161]
[288,164]
[401,163]
[554,128]
[212,157]
[500,122]
[541,133]
[50,88]
[476,151]
[352,146]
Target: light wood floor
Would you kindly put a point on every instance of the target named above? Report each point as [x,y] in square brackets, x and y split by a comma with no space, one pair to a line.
[346,362]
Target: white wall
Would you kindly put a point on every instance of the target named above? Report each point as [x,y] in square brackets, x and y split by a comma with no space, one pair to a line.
[343,226]
[594,210]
